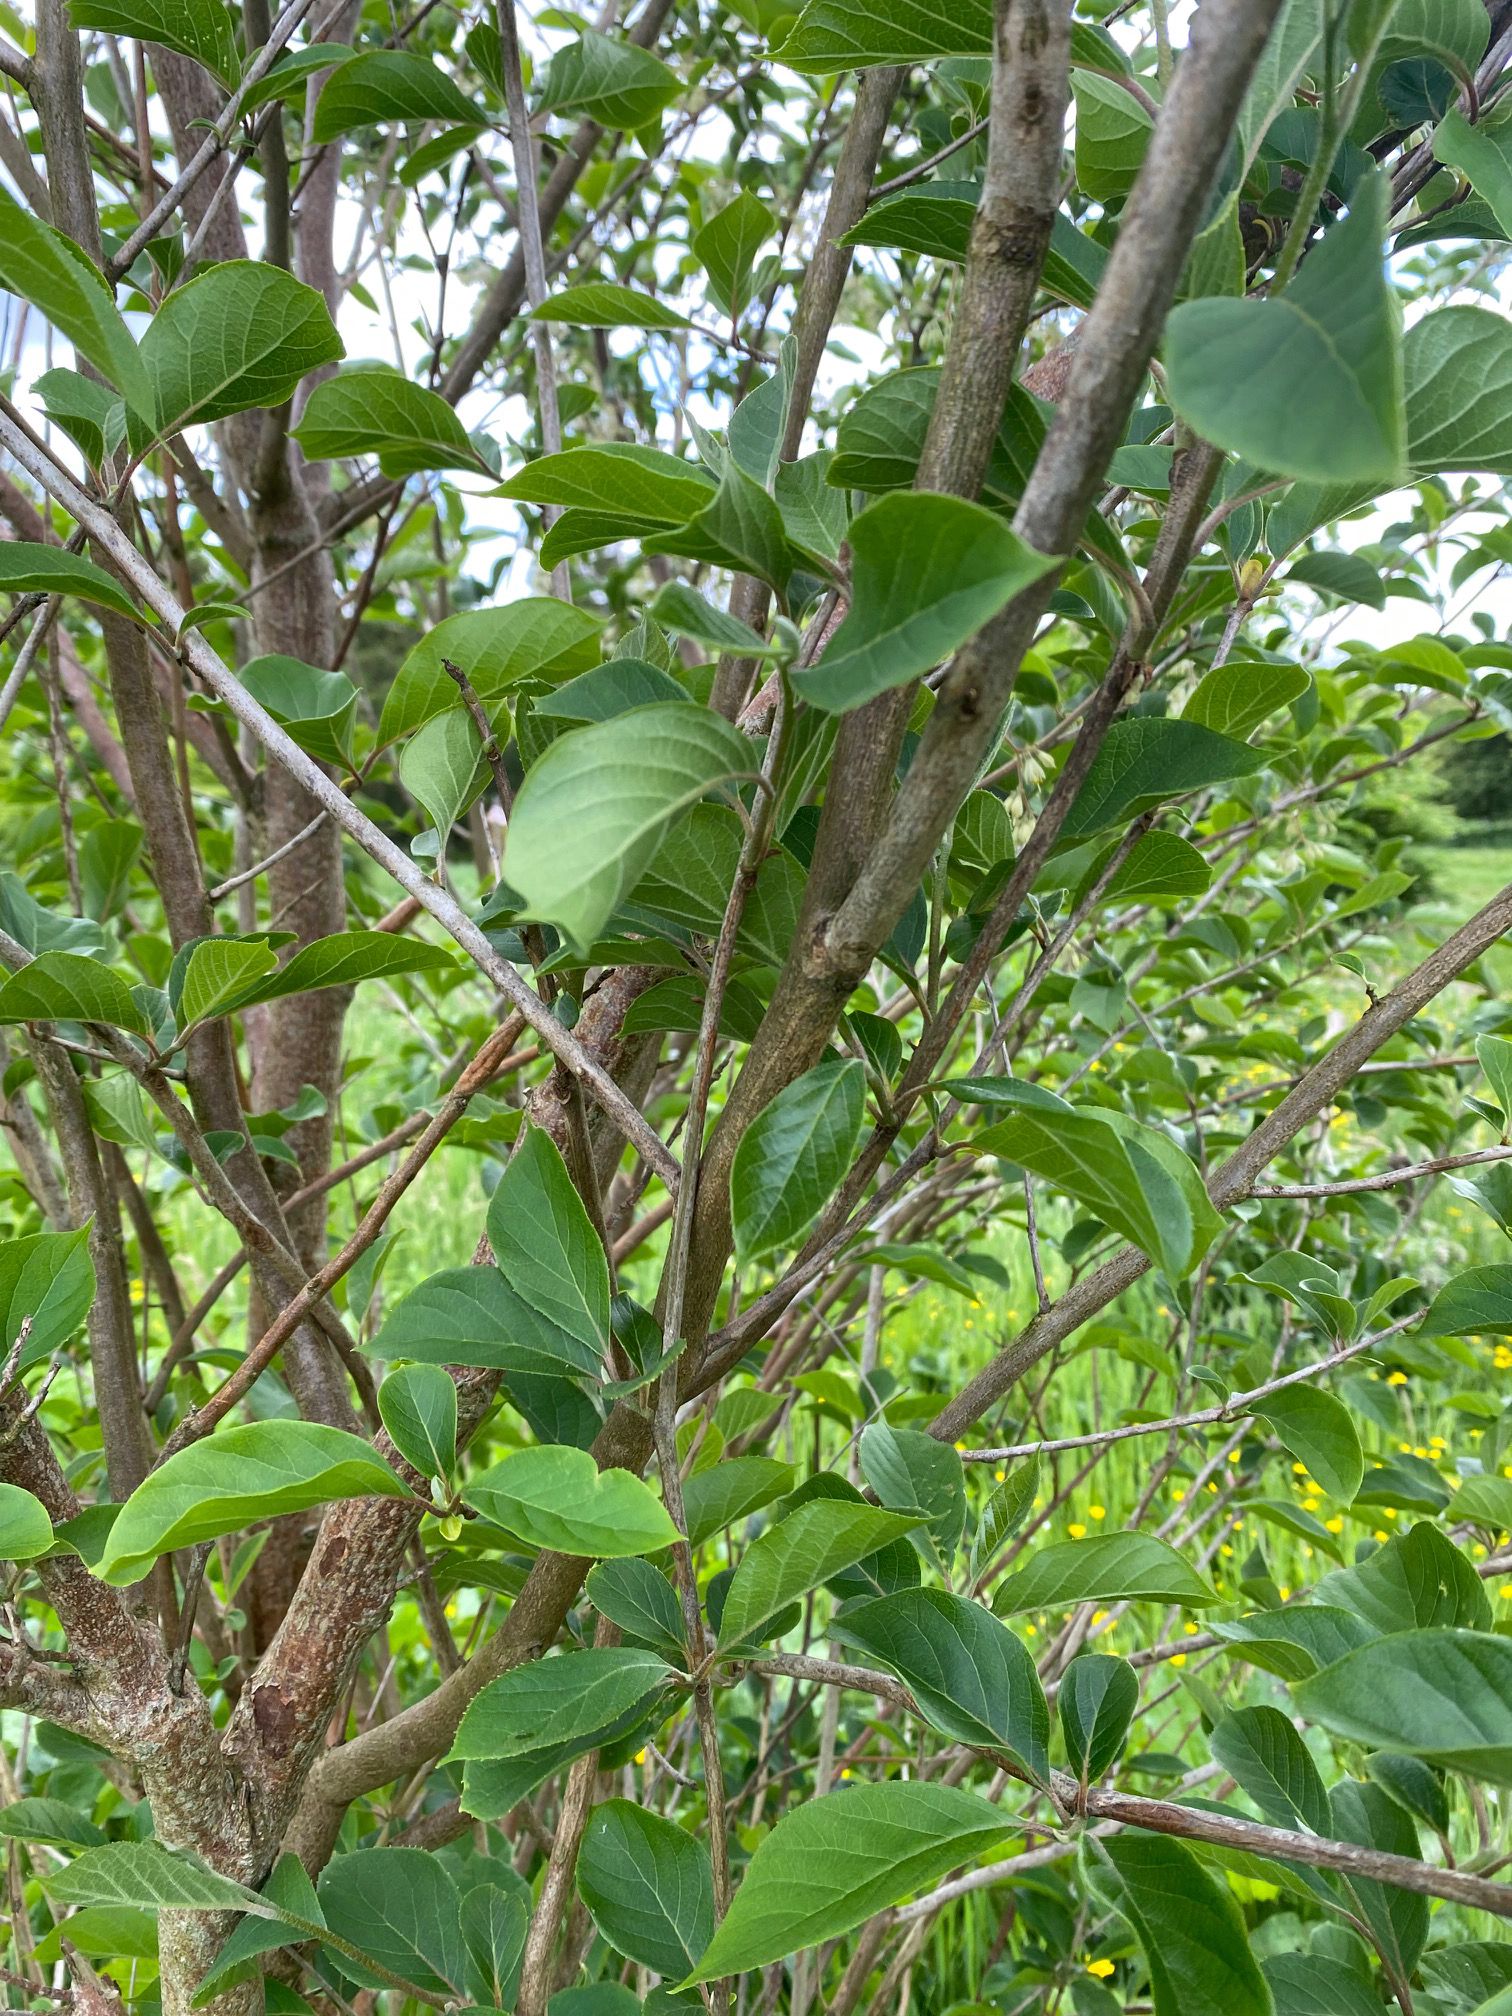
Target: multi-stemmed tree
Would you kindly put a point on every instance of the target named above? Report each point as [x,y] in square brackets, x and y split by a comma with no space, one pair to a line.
[719,1222]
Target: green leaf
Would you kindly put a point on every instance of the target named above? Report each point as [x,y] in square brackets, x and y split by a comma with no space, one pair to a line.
[289,1888]
[1296,1641]
[290,75]
[726,244]
[1124,1177]
[383,87]
[471,1316]
[537,638]
[1478,1300]
[318,708]
[1189,1928]
[558,1498]
[1096,1703]
[972,1678]
[1308,384]
[740,529]
[146,1874]
[641,1600]
[43,267]
[572,1699]
[1347,577]
[649,1885]
[49,1277]
[88,411]
[1006,1510]
[443,767]
[831,35]
[419,1409]
[28,569]
[345,958]
[911,1471]
[202,30]
[236,336]
[792,1157]
[1112,132]
[400,1909]
[601,77]
[67,987]
[1444,1696]
[235,1478]
[1237,697]
[731,1490]
[1495,1054]
[53,1821]
[1107,1568]
[806,1548]
[550,1257]
[926,573]
[495,1924]
[1417,1580]
[604,304]
[1147,759]
[370,409]
[595,807]
[1318,1431]
[1307,1984]
[678,607]
[218,973]
[829,1865]
[25,1529]
[1262,1750]
[617,477]
[1486,1500]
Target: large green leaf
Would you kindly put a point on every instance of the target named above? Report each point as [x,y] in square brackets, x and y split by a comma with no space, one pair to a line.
[1120,1177]
[729,1491]
[235,1478]
[604,304]
[926,573]
[318,708]
[418,1405]
[594,809]
[559,1498]
[471,1316]
[236,336]
[1262,1750]
[550,1257]
[831,35]
[202,30]
[739,529]
[1444,1696]
[1148,759]
[1457,363]
[371,409]
[49,1277]
[617,477]
[67,987]
[829,1865]
[649,1885]
[912,1471]
[572,1700]
[31,569]
[1417,1580]
[48,270]
[792,1157]
[605,78]
[1308,384]
[1297,1640]
[726,245]
[25,1529]
[1234,699]
[443,767]
[1105,1568]
[1112,132]
[1478,1300]
[1189,1927]
[1096,1703]
[386,87]
[535,638]
[972,1678]
[1319,1431]
[400,1908]
[806,1548]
